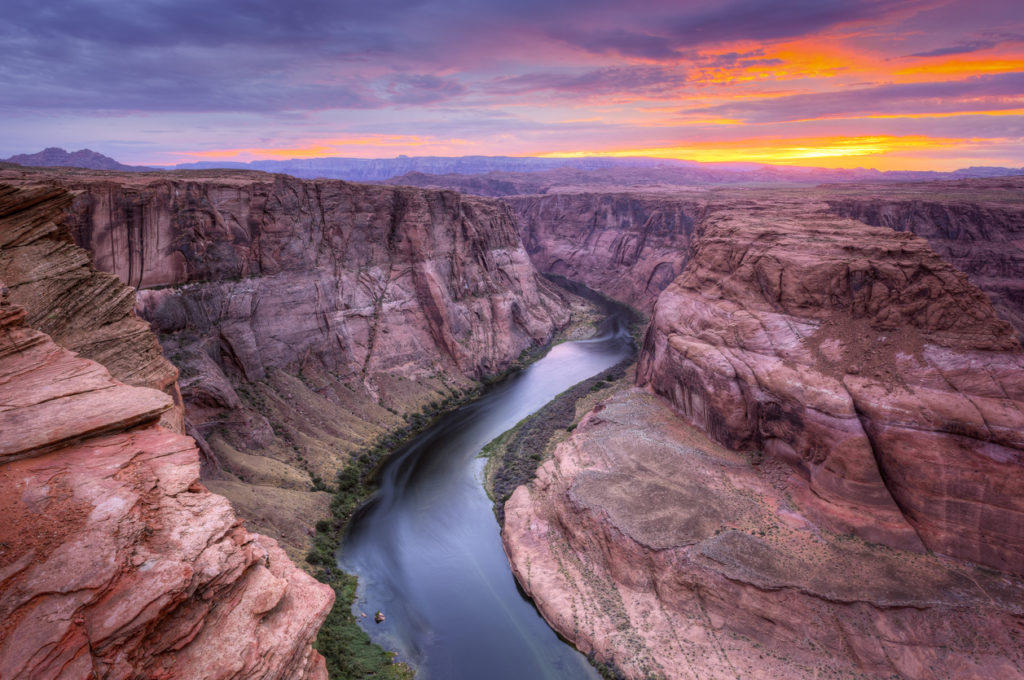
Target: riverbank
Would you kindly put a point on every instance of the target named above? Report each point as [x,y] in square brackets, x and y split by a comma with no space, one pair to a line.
[514,456]
[428,551]
[346,646]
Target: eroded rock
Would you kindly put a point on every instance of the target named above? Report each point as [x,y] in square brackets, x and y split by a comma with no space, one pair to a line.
[862,359]
[629,246]
[667,555]
[115,561]
[308,318]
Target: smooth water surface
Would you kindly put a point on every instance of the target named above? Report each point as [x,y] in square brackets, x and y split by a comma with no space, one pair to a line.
[427,548]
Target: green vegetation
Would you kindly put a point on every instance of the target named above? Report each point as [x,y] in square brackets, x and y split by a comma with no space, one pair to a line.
[606,669]
[516,454]
[349,652]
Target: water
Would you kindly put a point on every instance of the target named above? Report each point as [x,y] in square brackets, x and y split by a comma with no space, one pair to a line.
[427,548]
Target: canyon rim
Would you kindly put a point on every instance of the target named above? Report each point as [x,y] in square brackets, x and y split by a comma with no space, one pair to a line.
[566,340]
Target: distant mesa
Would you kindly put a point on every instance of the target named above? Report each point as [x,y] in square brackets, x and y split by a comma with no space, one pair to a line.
[513,175]
[510,175]
[83,158]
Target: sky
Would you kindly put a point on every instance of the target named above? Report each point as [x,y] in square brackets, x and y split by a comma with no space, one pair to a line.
[898,84]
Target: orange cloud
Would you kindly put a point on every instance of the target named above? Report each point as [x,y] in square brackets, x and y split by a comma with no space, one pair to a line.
[803,59]
[963,67]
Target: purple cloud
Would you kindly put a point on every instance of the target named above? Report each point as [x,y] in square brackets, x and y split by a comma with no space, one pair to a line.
[641,80]
[978,93]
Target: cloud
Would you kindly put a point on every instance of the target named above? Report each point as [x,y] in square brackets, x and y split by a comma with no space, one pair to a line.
[646,81]
[979,93]
[984,42]
[959,48]
[422,89]
[620,41]
[671,30]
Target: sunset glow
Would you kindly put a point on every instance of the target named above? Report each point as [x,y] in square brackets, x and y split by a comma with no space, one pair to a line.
[914,84]
[823,151]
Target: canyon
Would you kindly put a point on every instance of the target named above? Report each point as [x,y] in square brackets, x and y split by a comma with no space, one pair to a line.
[814,470]
[116,561]
[822,473]
[308,319]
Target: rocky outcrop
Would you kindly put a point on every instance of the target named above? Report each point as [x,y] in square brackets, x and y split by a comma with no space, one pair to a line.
[662,553]
[978,226]
[88,312]
[309,317]
[629,246]
[862,359]
[114,560]
[865,408]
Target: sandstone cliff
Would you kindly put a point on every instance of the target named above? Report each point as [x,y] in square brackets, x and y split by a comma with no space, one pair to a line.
[86,311]
[631,244]
[977,225]
[865,361]
[114,560]
[628,246]
[310,317]
[871,407]
[656,550]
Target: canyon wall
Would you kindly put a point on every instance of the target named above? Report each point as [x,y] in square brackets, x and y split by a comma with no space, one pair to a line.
[663,554]
[863,359]
[978,226]
[115,560]
[308,318]
[831,413]
[629,246]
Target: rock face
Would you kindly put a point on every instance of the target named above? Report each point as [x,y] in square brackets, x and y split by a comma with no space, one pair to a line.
[309,317]
[978,226]
[863,360]
[86,311]
[114,560]
[661,552]
[629,246]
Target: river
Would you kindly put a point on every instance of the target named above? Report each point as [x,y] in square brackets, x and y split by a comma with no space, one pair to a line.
[427,548]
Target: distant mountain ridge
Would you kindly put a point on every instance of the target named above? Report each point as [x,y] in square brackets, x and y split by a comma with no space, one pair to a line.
[380,169]
[429,170]
[395,170]
[83,158]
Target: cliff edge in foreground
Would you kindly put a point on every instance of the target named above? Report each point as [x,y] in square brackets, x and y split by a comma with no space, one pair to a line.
[114,560]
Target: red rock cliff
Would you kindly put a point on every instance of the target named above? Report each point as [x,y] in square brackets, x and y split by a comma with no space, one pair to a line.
[114,560]
[862,359]
[363,278]
[669,556]
[628,246]
[978,226]
[309,317]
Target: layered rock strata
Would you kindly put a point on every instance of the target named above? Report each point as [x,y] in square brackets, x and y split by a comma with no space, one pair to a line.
[978,226]
[309,317]
[863,360]
[629,246]
[88,312]
[114,560]
[666,555]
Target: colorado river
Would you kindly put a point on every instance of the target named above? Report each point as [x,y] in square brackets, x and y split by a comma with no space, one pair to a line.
[427,548]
